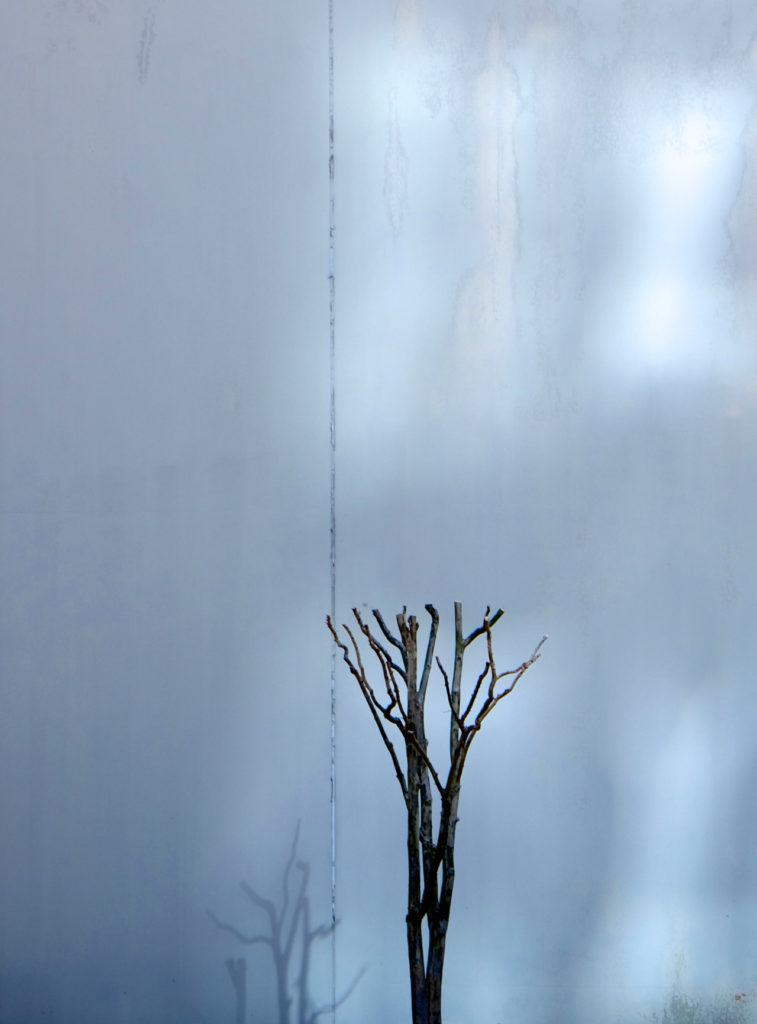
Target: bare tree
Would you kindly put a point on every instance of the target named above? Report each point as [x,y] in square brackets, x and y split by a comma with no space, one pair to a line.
[289,933]
[400,704]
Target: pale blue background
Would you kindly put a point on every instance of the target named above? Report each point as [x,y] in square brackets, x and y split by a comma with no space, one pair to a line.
[546,398]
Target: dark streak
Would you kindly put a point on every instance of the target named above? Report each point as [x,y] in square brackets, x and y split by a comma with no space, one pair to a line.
[145,45]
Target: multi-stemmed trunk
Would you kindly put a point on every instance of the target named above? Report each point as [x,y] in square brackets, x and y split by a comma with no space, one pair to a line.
[430,858]
[432,903]
[431,862]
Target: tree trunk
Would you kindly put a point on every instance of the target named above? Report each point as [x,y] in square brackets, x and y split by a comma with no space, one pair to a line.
[434,973]
[429,896]
[418,993]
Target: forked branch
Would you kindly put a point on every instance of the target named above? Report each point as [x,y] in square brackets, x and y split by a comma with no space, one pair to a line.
[430,857]
[492,698]
[358,672]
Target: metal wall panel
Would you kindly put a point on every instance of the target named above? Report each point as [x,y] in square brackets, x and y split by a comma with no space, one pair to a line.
[542,374]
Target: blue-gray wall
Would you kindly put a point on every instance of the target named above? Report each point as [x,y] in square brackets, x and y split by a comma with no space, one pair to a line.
[546,398]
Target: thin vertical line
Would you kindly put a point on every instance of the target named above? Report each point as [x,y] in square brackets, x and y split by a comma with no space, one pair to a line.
[332,488]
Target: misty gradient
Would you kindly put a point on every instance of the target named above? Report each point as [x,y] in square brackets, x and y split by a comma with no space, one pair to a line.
[546,399]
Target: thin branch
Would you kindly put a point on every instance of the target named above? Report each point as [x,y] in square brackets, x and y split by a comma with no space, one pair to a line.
[476,688]
[361,676]
[444,674]
[521,670]
[387,667]
[397,668]
[358,671]
[390,660]
[393,690]
[480,630]
[365,630]
[457,677]
[363,683]
[524,667]
[450,701]
[385,630]
[394,699]
[493,699]
[490,649]
[368,690]
[429,651]
[464,741]
[249,940]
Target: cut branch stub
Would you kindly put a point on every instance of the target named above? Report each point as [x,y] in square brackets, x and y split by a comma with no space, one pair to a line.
[430,861]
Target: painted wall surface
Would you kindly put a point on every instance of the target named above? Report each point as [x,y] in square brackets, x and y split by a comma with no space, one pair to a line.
[545,384]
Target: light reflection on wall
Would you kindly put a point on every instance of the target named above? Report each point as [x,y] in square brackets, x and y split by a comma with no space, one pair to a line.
[663,308]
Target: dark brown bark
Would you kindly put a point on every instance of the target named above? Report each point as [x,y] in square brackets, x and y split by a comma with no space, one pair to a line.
[430,861]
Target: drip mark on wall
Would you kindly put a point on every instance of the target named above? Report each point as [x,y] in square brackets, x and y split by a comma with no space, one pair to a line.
[395,169]
[92,10]
[145,45]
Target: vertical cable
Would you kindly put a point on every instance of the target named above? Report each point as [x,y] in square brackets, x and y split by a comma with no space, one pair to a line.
[332,488]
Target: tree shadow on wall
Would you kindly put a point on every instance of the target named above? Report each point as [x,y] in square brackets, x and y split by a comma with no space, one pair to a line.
[290,937]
